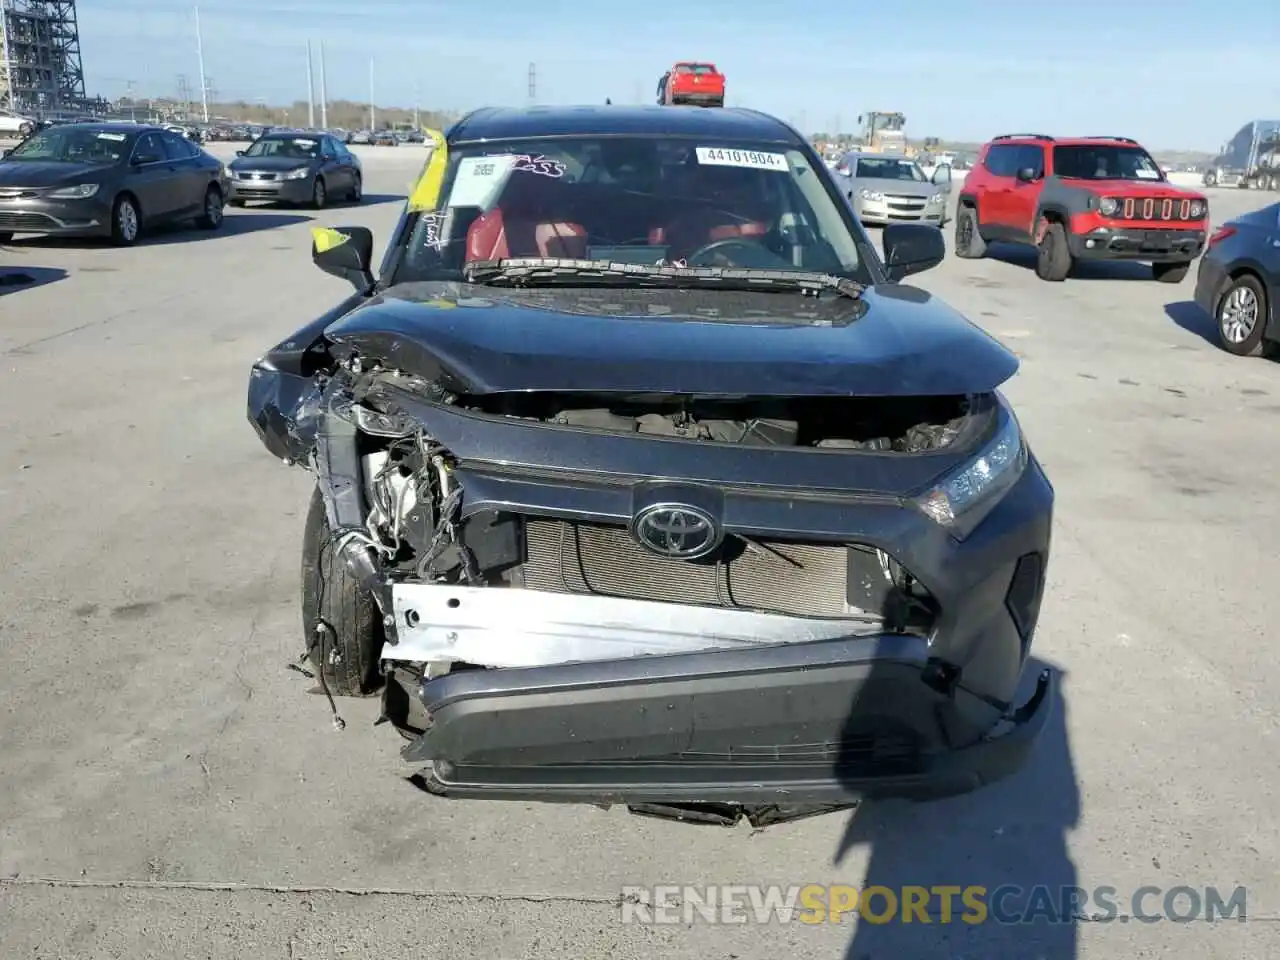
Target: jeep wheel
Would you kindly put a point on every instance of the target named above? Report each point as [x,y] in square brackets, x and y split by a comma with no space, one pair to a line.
[1210,179]
[969,242]
[1241,314]
[342,626]
[1170,272]
[1053,256]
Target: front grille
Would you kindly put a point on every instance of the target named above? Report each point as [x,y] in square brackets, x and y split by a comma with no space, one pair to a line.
[1154,208]
[257,176]
[799,579]
[26,222]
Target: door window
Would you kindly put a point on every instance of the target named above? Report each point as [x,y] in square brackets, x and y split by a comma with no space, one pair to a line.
[176,147]
[1031,155]
[150,148]
[1002,160]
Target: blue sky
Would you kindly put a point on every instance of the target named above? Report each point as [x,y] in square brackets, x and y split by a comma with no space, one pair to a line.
[1173,74]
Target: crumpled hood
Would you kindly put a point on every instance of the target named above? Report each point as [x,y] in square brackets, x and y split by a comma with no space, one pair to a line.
[38,173]
[905,342]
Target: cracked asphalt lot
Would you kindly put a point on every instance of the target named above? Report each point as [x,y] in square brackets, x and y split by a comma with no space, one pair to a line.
[169,788]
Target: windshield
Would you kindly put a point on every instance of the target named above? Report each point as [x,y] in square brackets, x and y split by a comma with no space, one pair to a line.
[882,169]
[72,145]
[637,200]
[296,148]
[1104,162]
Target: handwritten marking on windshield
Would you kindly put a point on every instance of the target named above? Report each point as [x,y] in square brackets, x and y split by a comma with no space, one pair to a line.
[539,165]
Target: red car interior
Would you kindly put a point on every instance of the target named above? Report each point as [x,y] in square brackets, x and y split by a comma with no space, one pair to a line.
[523,226]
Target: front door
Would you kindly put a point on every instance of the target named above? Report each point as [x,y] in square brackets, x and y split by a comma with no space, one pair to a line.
[153,178]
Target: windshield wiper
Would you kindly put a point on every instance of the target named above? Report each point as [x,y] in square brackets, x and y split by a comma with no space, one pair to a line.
[546,271]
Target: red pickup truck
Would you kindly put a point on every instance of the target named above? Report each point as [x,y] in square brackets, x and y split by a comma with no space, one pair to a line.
[692,83]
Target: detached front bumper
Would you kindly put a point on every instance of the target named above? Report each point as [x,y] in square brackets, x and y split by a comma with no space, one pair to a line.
[1137,243]
[822,722]
[89,217]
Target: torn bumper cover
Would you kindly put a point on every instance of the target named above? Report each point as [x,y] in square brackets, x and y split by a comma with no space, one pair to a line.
[809,723]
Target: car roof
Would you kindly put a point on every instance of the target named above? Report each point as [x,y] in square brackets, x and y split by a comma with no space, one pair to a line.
[728,123]
[109,127]
[1106,141]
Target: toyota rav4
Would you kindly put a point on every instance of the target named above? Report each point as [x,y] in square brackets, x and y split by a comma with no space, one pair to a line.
[1080,198]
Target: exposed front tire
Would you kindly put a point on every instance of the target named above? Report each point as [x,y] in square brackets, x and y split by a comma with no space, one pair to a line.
[341,623]
[211,219]
[1241,316]
[357,189]
[319,194]
[968,239]
[126,221]
[1053,256]
[1170,272]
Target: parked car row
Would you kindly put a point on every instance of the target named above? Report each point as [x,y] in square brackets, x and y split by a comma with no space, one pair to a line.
[117,180]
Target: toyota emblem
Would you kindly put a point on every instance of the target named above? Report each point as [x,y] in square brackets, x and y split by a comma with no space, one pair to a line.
[676,531]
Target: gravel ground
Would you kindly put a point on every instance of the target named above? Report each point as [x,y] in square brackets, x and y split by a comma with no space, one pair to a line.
[169,789]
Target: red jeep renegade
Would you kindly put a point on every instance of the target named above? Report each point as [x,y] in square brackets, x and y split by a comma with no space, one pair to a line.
[1079,198]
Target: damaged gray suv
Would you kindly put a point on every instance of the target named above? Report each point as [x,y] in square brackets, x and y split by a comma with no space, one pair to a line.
[641,478]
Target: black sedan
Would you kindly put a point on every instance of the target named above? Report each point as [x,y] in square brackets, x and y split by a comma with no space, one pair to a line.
[641,478]
[1238,277]
[296,168]
[111,180]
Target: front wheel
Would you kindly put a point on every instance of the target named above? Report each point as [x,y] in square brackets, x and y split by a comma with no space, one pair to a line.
[319,195]
[1170,272]
[1210,180]
[211,219]
[341,622]
[357,189]
[1053,256]
[125,222]
[1241,317]
[969,242]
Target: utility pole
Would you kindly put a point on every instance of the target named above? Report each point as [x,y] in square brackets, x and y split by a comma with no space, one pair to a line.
[533,83]
[311,92]
[204,86]
[324,94]
[373,111]
[417,98]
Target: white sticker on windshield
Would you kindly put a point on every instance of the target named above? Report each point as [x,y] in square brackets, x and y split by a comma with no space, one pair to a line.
[751,159]
[1147,174]
[480,180]
[119,137]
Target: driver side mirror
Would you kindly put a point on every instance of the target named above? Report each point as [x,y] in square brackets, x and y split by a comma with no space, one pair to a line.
[911,248]
[239,153]
[1027,174]
[344,252]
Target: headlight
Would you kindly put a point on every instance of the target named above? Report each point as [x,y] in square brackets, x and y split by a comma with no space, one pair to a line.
[1198,209]
[870,195]
[81,191]
[962,500]
[298,174]
[1109,206]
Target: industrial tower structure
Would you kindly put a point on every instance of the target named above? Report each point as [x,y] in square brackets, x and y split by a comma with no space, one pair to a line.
[40,69]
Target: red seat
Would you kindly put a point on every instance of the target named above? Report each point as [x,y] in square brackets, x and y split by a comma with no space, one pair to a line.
[495,236]
[697,228]
[527,222]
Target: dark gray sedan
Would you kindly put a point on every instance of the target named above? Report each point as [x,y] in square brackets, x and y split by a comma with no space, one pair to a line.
[104,179]
[296,168]
[1238,280]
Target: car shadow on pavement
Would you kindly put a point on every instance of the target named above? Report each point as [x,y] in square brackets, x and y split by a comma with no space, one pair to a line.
[1025,257]
[1010,834]
[368,200]
[1191,317]
[19,279]
[233,225]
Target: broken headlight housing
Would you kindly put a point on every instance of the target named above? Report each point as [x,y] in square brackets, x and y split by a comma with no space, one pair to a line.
[963,498]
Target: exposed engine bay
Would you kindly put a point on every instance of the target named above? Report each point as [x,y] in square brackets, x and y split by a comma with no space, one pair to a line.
[910,425]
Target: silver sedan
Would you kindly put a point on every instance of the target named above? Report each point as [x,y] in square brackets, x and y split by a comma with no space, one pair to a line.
[890,189]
